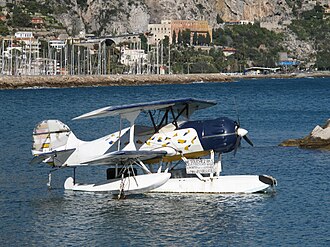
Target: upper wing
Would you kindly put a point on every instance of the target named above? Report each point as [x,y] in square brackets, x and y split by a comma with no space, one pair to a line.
[177,105]
[124,156]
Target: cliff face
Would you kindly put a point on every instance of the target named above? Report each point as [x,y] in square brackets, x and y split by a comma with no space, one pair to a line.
[111,17]
[252,10]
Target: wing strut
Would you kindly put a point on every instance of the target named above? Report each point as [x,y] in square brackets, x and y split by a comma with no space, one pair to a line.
[131,117]
[152,120]
[165,117]
[174,119]
[143,166]
[180,113]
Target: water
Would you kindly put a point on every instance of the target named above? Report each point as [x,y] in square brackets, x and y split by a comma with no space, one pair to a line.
[272,110]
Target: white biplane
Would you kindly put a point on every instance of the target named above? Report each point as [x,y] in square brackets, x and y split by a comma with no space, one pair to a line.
[132,152]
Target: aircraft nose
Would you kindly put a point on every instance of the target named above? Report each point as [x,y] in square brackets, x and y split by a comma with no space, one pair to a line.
[241,132]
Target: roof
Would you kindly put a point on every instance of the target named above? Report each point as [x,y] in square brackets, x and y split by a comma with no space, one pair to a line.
[177,105]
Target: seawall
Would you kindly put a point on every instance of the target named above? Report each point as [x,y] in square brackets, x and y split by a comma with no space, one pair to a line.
[15,82]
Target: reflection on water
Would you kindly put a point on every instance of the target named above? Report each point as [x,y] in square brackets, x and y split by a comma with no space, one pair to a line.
[190,219]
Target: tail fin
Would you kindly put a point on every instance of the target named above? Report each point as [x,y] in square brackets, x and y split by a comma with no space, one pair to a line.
[51,137]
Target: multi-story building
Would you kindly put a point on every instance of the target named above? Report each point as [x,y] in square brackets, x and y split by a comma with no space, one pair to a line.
[19,54]
[135,59]
[32,44]
[159,32]
[169,27]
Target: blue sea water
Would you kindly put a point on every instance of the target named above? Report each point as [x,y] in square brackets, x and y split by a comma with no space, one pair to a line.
[272,110]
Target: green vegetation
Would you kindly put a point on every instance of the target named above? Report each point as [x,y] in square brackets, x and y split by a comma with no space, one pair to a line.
[21,15]
[314,26]
[293,3]
[200,7]
[20,18]
[34,7]
[219,19]
[3,29]
[311,25]
[82,3]
[190,60]
[254,46]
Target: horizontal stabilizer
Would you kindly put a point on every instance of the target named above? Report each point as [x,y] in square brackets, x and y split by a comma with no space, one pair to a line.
[124,156]
[55,158]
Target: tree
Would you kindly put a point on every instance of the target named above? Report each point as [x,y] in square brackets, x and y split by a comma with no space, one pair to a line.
[201,39]
[322,60]
[208,38]
[179,37]
[20,18]
[186,37]
[195,37]
[174,38]
[219,19]
[3,29]
[144,42]
[166,41]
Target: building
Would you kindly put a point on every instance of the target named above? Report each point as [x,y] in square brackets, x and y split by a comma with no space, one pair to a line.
[57,44]
[285,61]
[3,18]
[260,70]
[30,42]
[159,32]
[135,59]
[37,21]
[239,22]
[24,35]
[19,54]
[228,51]
[168,27]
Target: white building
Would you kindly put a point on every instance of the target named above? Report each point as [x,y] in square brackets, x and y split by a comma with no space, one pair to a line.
[24,35]
[135,59]
[57,44]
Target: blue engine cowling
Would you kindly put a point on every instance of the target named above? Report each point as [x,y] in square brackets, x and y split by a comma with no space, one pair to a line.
[217,134]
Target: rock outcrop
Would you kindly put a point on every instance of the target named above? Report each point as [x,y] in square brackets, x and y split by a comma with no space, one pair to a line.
[319,138]
[106,17]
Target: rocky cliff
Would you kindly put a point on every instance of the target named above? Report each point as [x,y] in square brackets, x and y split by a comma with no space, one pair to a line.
[113,17]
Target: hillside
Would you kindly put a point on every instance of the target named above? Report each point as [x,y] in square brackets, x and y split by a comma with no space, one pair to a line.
[302,25]
[111,17]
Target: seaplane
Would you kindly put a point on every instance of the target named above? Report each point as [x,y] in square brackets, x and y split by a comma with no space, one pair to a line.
[172,154]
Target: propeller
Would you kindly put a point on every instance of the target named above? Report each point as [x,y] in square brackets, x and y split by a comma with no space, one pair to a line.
[241,133]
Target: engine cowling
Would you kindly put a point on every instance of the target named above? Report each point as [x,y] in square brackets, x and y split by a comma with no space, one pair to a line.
[218,134]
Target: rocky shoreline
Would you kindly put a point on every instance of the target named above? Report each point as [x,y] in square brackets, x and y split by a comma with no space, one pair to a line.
[319,138]
[16,82]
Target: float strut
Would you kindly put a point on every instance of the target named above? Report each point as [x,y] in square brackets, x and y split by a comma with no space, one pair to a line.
[74,175]
[49,180]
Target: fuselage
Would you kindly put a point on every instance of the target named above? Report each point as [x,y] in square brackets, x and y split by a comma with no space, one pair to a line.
[191,139]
